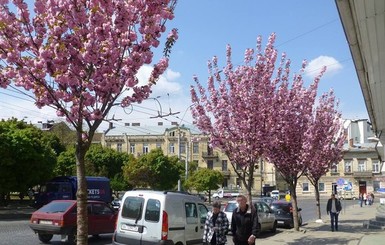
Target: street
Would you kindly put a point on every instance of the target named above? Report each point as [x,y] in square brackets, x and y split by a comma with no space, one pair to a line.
[19,232]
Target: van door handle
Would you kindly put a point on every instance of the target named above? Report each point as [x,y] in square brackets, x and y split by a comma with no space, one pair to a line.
[196,228]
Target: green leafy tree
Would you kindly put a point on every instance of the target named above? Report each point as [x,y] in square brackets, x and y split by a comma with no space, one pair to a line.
[119,184]
[26,156]
[66,163]
[154,170]
[66,135]
[99,161]
[205,179]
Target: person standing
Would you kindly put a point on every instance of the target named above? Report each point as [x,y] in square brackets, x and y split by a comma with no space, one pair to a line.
[361,198]
[216,226]
[244,223]
[333,207]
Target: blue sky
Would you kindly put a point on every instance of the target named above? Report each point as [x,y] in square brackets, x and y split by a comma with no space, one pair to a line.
[305,29]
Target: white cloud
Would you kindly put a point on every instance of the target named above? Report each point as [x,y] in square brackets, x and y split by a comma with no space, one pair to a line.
[314,67]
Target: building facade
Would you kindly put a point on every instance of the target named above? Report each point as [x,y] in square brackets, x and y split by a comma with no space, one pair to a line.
[361,169]
[189,145]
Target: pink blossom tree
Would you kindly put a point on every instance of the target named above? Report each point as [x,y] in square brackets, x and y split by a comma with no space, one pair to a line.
[289,123]
[81,57]
[325,139]
[235,109]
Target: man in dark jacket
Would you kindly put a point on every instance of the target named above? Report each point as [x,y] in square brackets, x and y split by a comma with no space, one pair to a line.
[244,223]
[333,207]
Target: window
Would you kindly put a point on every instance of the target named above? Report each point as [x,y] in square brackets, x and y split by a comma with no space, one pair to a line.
[119,147]
[158,145]
[305,186]
[239,167]
[361,165]
[145,148]
[321,186]
[195,147]
[202,212]
[191,213]
[152,210]
[132,148]
[182,147]
[210,164]
[172,133]
[376,166]
[224,165]
[171,148]
[334,168]
[348,166]
[132,208]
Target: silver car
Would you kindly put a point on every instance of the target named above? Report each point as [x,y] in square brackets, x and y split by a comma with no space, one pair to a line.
[266,216]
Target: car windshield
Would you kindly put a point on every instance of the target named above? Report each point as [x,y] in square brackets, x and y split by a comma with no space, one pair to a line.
[56,207]
[285,207]
[231,206]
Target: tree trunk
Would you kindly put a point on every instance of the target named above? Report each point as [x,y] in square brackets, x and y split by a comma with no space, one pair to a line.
[250,181]
[317,199]
[81,195]
[293,193]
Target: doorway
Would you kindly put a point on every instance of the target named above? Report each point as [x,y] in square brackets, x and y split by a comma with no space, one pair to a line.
[362,186]
[334,188]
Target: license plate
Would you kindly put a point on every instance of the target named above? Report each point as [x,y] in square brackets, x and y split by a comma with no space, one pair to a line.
[280,222]
[45,222]
[130,227]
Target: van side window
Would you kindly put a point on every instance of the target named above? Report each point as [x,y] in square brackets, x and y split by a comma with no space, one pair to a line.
[132,208]
[202,213]
[191,213]
[152,210]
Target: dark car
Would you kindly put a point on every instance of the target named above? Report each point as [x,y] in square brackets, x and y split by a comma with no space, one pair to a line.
[284,213]
[59,218]
[267,200]
[116,203]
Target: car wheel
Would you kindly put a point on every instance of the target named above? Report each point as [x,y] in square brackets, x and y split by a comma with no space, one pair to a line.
[45,238]
[299,221]
[274,229]
[71,237]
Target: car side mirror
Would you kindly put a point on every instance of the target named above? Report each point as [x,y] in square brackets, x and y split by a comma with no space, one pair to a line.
[299,209]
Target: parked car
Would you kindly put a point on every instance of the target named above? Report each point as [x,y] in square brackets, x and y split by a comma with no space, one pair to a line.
[266,216]
[284,213]
[275,194]
[116,203]
[267,200]
[59,218]
[160,217]
[203,197]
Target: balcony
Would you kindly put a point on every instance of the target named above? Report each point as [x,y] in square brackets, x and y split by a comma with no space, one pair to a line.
[210,155]
[226,173]
[363,174]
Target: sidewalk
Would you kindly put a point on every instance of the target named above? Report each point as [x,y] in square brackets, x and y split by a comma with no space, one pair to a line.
[16,212]
[351,230]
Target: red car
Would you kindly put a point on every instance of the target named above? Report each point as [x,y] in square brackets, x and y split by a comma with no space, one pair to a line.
[59,218]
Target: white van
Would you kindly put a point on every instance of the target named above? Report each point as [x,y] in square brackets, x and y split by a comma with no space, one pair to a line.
[160,217]
[275,194]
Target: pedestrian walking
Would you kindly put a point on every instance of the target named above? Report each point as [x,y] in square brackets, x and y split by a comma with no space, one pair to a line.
[333,208]
[372,195]
[244,223]
[365,198]
[216,226]
[370,201]
[361,199]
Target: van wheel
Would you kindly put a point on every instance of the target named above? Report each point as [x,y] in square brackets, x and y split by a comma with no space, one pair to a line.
[274,230]
[45,238]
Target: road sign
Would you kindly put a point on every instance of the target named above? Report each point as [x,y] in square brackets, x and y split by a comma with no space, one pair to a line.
[340,182]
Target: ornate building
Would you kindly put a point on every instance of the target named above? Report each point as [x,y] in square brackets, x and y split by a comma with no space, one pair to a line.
[361,169]
[188,143]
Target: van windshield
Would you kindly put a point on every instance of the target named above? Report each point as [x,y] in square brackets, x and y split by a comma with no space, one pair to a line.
[132,208]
